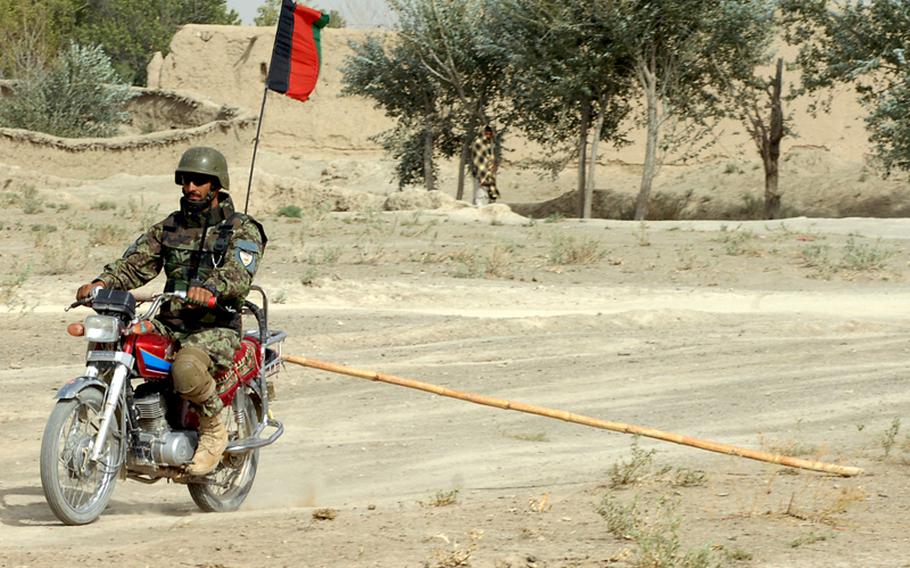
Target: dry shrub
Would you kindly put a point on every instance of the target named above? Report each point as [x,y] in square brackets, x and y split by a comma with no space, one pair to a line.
[10,282]
[654,528]
[499,262]
[442,499]
[369,253]
[566,249]
[823,504]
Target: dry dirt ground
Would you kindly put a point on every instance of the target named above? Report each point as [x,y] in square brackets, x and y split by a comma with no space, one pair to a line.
[790,337]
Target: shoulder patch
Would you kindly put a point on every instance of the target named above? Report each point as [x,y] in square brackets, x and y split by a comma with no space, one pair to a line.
[247,252]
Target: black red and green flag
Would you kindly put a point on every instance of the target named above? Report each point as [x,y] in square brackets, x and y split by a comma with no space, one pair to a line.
[297,54]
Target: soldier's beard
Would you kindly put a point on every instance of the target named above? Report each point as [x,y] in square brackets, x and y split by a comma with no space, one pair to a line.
[196,207]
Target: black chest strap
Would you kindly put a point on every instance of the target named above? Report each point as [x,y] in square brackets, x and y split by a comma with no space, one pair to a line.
[223,240]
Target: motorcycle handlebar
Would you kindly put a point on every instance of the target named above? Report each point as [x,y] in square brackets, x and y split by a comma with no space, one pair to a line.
[87,301]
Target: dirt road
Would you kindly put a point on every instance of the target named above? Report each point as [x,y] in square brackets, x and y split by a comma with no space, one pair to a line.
[738,335]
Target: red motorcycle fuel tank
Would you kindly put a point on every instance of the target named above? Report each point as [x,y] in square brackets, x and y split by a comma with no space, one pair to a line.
[154,356]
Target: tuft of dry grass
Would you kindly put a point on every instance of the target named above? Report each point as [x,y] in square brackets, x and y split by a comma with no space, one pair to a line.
[325,255]
[442,499]
[11,281]
[566,249]
[637,468]
[889,437]
[739,242]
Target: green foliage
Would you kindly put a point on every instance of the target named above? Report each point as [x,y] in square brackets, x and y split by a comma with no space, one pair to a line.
[79,95]
[559,56]
[267,15]
[570,62]
[810,538]
[31,33]
[336,20]
[433,78]
[406,146]
[390,73]
[632,471]
[131,32]
[654,528]
[863,44]
[860,257]
[292,211]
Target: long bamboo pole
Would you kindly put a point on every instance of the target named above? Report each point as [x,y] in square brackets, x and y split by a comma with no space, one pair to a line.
[846,471]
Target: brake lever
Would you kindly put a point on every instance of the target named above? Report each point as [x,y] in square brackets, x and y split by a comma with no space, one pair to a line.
[86,301]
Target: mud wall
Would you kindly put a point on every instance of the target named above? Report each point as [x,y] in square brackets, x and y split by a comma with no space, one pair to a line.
[229,65]
[163,125]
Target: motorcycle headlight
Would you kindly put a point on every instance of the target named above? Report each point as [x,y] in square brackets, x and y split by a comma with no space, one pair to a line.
[102,329]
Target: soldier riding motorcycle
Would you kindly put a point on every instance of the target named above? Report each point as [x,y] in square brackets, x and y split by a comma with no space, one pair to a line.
[196,366]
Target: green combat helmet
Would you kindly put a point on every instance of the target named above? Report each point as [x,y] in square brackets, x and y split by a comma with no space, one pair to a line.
[203,160]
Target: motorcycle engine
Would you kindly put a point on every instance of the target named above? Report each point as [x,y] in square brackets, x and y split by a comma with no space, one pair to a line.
[156,443]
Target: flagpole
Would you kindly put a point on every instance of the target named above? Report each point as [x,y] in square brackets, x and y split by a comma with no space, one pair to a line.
[249,186]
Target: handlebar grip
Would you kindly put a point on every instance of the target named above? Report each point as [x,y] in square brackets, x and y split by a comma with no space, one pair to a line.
[213,301]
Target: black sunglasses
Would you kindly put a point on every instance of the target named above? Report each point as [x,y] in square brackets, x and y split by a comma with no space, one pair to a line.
[195,179]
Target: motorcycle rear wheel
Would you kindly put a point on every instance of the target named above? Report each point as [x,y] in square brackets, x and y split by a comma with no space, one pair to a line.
[76,488]
[232,480]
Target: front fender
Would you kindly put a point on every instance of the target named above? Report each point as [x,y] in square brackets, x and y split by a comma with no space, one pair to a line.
[73,387]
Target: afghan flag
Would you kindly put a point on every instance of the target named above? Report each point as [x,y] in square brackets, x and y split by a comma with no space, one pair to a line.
[297,54]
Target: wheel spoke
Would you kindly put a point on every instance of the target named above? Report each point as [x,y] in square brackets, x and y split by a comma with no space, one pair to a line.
[81,480]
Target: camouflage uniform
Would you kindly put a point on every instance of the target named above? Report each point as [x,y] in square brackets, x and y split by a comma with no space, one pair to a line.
[225,265]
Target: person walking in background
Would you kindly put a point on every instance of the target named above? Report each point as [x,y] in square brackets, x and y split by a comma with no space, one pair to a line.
[483,168]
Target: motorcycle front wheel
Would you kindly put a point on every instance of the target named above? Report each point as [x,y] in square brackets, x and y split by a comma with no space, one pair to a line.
[228,486]
[77,488]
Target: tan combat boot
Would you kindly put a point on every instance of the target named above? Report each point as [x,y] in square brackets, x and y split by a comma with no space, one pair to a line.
[213,438]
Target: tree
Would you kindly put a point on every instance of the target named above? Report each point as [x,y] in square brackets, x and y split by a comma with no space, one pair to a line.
[755,99]
[390,73]
[130,32]
[564,73]
[336,20]
[680,52]
[864,44]
[79,95]
[31,34]
[445,37]
[432,77]
[267,15]
[757,102]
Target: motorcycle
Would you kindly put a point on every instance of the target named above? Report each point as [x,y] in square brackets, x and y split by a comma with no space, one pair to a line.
[103,427]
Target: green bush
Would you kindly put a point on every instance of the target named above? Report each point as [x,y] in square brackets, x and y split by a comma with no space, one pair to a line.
[292,211]
[79,95]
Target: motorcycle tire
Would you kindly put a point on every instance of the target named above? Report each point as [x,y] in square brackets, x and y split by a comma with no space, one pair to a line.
[76,489]
[232,480]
